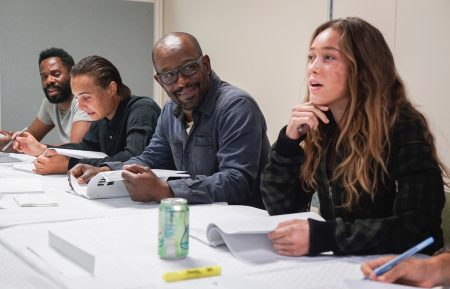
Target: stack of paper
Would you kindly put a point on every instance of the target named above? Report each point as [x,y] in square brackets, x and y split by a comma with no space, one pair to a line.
[24,167]
[35,200]
[20,185]
[246,237]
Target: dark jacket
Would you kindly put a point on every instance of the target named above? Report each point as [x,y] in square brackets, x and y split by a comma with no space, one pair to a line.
[122,137]
[405,210]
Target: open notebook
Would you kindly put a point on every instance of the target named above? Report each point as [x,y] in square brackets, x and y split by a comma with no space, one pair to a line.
[107,185]
[245,236]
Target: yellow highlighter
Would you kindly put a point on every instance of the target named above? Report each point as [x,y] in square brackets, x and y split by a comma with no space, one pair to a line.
[192,273]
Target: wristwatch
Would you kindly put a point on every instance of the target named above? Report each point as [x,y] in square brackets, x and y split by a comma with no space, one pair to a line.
[445,249]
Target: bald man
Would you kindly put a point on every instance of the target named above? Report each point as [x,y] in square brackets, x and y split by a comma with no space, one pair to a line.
[211,129]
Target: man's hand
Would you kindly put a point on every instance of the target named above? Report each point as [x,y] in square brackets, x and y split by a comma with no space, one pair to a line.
[51,163]
[143,185]
[26,143]
[84,173]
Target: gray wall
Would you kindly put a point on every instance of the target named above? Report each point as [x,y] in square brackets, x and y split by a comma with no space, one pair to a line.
[120,31]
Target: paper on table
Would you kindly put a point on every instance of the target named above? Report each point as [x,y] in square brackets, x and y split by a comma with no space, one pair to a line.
[107,185]
[99,187]
[57,261]
[314,275]
[24,167]
[79,154]
[245,236]
[18,274]
[224,282]
[163,175]
[8,159]
[366,284]
[35,200]
[79,247]
[20,185]
[15,158]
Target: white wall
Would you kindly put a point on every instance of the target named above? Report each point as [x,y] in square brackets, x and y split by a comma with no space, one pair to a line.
[261,46]
[120,31]
[417,32]
[423,58]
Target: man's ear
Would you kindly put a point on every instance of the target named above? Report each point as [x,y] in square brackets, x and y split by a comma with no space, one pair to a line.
[155,76]
[206,62]
[112,87]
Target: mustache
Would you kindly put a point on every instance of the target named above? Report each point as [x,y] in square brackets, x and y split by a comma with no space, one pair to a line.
[181,88]
[53,86]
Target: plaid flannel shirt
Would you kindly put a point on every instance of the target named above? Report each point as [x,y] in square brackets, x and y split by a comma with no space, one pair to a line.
[405,210]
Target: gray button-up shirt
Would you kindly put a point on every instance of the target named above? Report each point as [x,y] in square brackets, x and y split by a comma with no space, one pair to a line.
[224,152]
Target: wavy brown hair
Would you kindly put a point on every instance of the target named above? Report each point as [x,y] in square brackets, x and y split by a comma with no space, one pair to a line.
[376,94]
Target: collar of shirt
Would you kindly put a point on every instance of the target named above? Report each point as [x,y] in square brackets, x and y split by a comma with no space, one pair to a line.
[120,111]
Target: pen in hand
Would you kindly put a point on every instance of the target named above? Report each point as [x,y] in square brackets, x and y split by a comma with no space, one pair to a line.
[14,138]
[392,263]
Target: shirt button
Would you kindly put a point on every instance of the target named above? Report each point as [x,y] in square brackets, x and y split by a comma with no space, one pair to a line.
[110,137]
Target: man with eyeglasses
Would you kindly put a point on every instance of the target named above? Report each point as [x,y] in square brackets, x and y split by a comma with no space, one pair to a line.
[211,129]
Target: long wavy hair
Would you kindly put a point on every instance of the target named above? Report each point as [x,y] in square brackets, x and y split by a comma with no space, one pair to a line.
[376,94]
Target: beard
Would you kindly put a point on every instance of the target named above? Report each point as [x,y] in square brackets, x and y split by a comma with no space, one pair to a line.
[64,92]
[202,90]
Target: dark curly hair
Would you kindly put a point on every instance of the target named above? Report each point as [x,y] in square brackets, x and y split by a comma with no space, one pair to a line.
[65,57]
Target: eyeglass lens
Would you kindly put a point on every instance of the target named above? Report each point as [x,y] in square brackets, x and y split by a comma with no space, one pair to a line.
[188,69]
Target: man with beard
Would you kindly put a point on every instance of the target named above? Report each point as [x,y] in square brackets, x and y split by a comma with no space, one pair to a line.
[211,129]
[59,109]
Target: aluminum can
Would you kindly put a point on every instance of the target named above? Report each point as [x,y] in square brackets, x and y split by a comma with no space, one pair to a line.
[173,233]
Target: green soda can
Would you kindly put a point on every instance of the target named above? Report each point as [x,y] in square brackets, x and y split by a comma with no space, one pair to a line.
[173,235]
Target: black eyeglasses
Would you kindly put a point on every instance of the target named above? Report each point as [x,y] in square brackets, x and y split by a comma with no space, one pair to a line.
[188,69]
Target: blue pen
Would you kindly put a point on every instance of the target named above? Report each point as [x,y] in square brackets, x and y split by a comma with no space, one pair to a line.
[389,265]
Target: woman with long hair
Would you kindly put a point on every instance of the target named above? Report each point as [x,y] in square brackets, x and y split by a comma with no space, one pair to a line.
[361,145]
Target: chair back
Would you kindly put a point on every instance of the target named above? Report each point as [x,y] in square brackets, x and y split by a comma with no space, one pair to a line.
[446,218]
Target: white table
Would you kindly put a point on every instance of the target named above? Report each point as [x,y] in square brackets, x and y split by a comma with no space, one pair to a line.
[126,232]
[70,207]
[129,258]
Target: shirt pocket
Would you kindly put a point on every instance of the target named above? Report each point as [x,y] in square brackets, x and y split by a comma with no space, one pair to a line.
[204,156]
[177,153]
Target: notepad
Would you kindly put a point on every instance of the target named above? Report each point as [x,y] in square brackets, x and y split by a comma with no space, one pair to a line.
[246,237]
[366,284]
[35,200]
[79,247]
[79,154]
[24,167]
[107,185]
[8,159]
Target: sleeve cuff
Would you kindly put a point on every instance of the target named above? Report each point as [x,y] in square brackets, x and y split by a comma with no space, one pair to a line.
[72,162]
[113,166]
[321,236]
[287,147]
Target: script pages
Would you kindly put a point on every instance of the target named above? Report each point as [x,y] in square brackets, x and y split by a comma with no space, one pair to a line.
[244,235]
[79,154]
[107,185]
